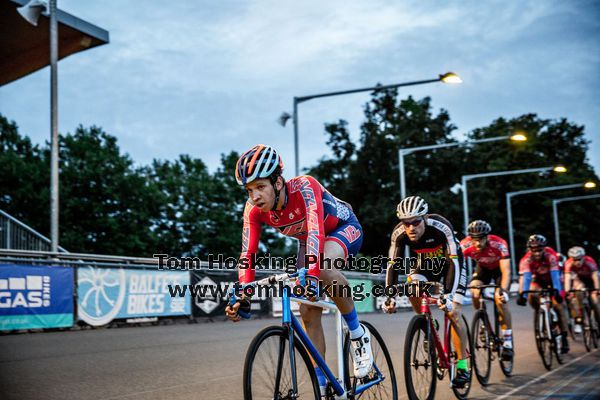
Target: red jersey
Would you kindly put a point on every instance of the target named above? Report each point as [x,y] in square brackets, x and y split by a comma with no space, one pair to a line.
[585,270]
[309,214]
[540,269]
[489,257]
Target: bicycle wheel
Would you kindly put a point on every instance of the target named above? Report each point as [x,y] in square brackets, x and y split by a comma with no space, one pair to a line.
[387,388]
[419,360]
[542,340]
[481,338]
[461,393]
[557,347]
[506,366]
[267,370]
[595,327]
[587,329]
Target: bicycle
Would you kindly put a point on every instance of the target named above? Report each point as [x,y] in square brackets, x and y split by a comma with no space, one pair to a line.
[426,356]
[278,361]
[485,339]
[590,325]
[548,337]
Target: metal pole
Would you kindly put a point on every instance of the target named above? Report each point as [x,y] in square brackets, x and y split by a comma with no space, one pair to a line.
[556,227]
[296,155]
[402,177]
[54,127]
[465,203]
[511,239]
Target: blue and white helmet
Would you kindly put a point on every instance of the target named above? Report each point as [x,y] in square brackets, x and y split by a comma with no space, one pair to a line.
[260,161]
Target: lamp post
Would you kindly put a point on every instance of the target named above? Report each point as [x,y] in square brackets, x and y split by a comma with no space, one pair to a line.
[402,152]
[448,77]
[555,203]
[31,12]
[465,178]
[510,195]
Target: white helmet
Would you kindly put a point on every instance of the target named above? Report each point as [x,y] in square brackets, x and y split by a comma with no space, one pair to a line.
[576,252]
[412,206]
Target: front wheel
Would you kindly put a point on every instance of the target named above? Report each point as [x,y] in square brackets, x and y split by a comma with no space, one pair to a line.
[543,339]
[419,360]
[482,341]
[267,369]
[382,369]
[461,393]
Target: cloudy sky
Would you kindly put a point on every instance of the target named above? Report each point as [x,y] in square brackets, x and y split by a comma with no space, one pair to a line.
[204,78]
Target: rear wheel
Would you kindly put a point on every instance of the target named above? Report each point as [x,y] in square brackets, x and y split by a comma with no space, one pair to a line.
[481,339]
[588,334]
[543,340]
[419,360]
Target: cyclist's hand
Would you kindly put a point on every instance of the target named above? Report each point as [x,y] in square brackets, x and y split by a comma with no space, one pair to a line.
[499,294]
[521,300]
[445,302]
[389,307]
[310,284]
[237,308]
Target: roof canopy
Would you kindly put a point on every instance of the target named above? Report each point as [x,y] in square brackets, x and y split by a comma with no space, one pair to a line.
[25,48]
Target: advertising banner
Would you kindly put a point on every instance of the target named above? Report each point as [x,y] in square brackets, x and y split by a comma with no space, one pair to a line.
[104,294]
[211,294]
[33,297]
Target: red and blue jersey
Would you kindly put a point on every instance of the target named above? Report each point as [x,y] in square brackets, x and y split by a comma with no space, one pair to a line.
[489,257]
[541,269]
[311,214]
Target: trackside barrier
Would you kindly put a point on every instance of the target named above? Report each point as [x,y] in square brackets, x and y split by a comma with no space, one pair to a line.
[44,290]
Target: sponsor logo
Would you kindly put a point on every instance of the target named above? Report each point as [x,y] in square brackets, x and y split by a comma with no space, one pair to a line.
[32,291]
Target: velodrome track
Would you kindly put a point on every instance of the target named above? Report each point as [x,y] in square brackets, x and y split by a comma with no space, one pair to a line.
[205,361]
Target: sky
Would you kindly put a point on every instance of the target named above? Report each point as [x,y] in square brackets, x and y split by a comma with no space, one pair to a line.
[207,77]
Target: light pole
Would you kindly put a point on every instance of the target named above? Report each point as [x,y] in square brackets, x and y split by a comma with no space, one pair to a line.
[555,203]
[31,12]
[402,152]
[448,77]
[510,195]
[465,178]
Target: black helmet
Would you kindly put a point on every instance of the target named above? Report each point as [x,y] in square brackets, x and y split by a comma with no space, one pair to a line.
[536,240]
[478,228]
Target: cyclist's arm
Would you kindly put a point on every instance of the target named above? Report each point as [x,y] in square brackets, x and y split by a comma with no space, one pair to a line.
[505,269]
[250,238]
[391,274]
[526,275]
[594,269]
[555,272]
[312,196]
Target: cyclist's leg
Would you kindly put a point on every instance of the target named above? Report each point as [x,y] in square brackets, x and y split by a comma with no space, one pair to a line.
[417,276]
[577,301]
[503,312]
[589,283]
[534,298]
[479,278]
[311,320]
[459,333]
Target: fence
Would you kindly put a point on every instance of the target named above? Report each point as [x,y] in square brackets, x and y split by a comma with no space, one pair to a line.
[15,235]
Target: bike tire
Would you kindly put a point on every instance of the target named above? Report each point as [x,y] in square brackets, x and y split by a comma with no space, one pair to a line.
[588,333]
[543,342]
[462,393]
[481,339]
[418,329]
[267,347]
[386,389]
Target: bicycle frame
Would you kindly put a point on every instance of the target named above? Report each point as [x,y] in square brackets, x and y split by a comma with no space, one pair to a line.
[442,350]
[295,327]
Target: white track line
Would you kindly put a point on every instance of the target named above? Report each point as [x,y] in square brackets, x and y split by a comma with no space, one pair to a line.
[569,381]
[543,376]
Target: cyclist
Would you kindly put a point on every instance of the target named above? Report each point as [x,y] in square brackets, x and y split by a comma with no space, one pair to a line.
[326,229]
[581,271]
[539,269]
[490,252]
[430,238]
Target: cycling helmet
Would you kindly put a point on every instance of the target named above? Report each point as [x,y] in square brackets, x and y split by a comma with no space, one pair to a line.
[478,228]
[261,161]
[536,241]
[412,206]
[576,252]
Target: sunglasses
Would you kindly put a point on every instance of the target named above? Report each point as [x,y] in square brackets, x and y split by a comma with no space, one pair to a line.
[538,250]
[414,222]
[577,259]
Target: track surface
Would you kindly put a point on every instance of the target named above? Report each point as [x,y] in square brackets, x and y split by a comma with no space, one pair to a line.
[205,361]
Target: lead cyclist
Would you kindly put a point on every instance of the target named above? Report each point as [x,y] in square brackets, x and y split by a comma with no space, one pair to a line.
[327,230]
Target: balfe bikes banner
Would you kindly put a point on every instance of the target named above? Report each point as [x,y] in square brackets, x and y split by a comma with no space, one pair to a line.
[33,297]
[104,294]
[211,294]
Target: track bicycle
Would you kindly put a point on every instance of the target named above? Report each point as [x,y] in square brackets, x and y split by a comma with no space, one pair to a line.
[548,337]
[588,319]
[485,339]
[278,361]
[427,358]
